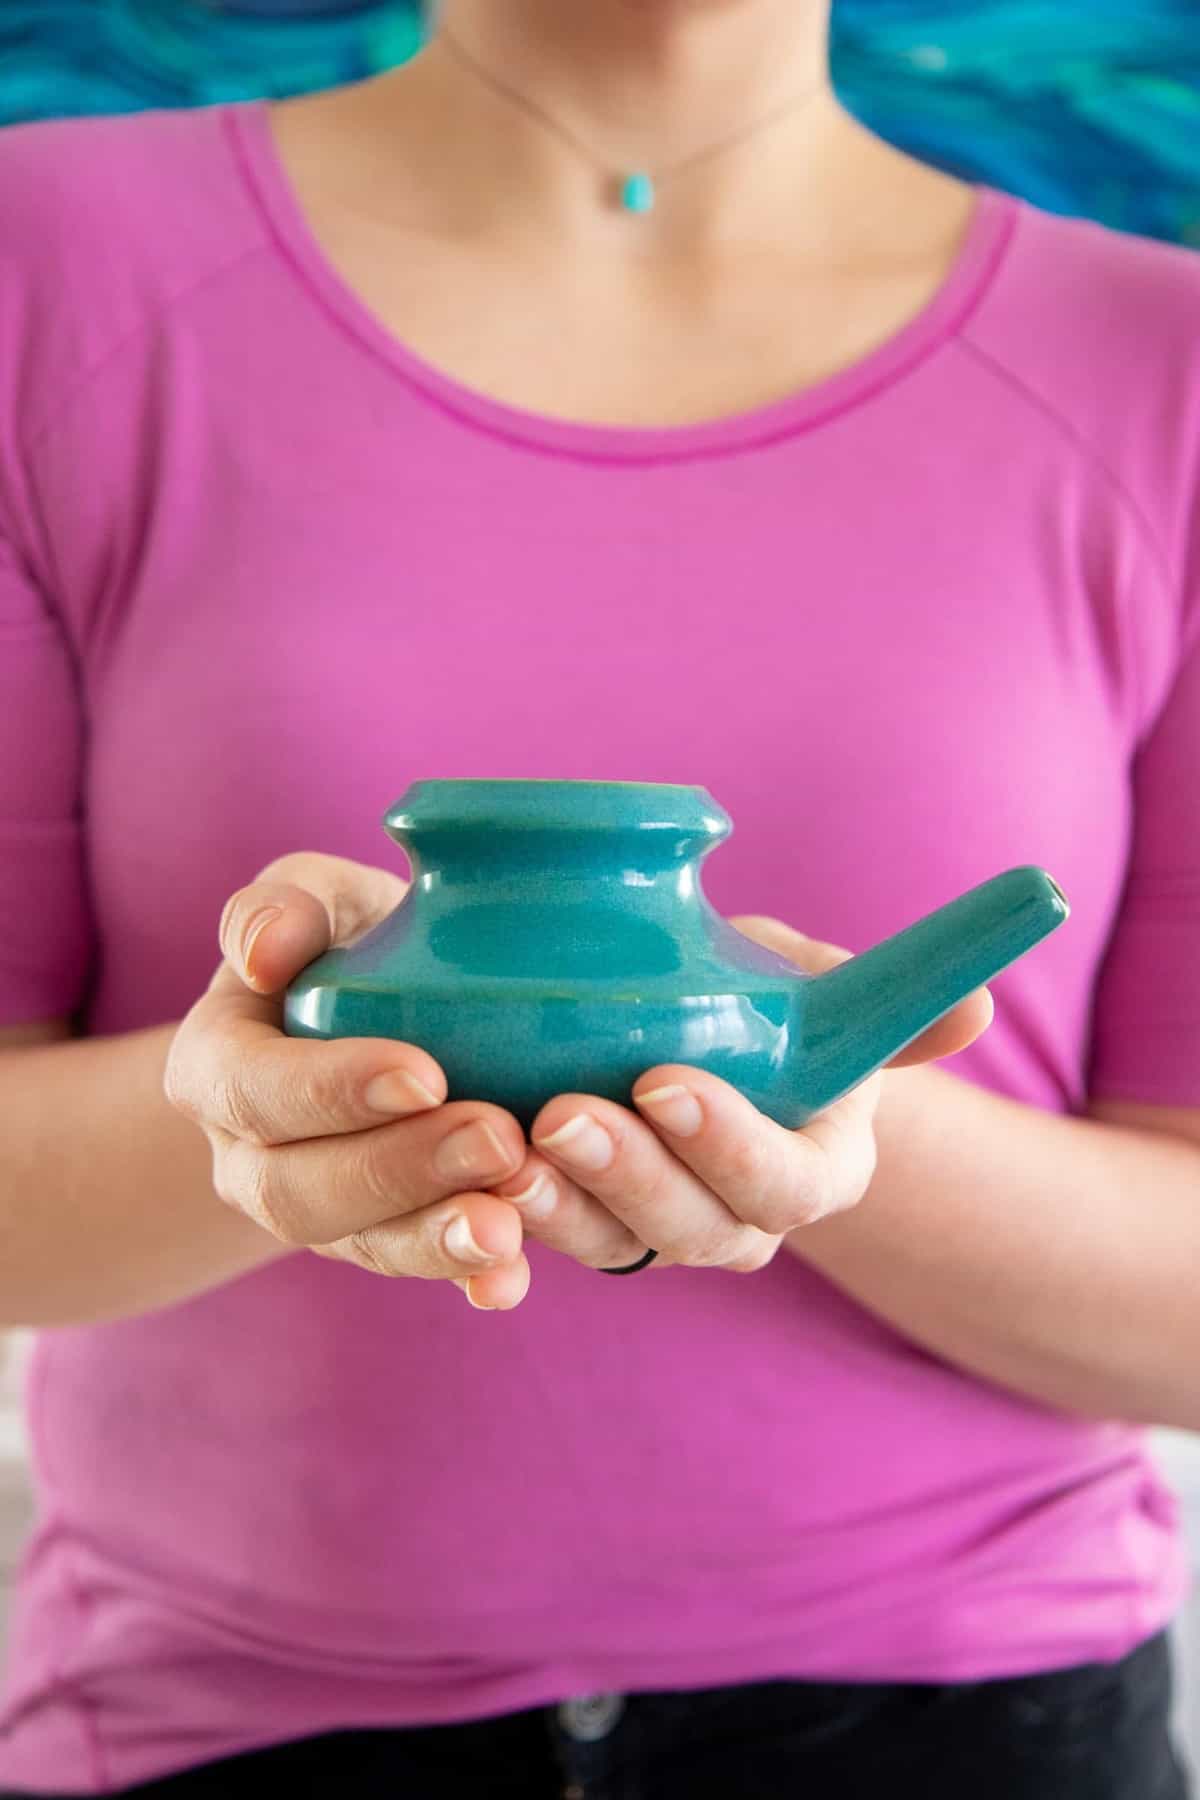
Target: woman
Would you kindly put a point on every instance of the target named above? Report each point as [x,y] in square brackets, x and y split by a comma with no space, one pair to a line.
[591,397]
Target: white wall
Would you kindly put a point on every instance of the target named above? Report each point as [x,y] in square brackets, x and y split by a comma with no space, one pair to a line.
[1180,1456]
[14,1497]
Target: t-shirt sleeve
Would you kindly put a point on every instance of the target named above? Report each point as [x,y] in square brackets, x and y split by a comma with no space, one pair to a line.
[46,939]
[1146,1017]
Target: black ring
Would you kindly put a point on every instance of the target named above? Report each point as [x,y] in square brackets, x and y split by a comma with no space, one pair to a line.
[632,1268]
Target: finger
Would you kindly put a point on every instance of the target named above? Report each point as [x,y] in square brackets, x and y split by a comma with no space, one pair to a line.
[949,1034]
[277,1089]
[325,1188]
[498,1290]
[231,1067]
[968,1020]
[559,1213]
[296,908]
[772,1178]
[812,955]
[473,1240]
[619,1160]
[844,1131]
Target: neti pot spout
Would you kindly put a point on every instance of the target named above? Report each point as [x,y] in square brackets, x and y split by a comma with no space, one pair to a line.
[856,1017]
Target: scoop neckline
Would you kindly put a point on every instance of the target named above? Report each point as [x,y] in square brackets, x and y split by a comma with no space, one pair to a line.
[967,280]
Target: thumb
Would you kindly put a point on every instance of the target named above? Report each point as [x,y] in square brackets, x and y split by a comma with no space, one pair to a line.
[293,911]
[810,954]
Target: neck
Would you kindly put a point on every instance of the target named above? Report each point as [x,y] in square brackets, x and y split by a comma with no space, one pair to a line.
[649,80]
[639,85]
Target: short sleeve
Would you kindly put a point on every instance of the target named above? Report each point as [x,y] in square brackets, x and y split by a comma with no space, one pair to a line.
[1146,1016]
[45,929]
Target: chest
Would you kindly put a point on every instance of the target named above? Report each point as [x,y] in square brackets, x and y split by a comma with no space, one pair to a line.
[893,700]
[612,335]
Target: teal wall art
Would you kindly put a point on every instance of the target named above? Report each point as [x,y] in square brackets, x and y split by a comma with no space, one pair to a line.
[1083,109]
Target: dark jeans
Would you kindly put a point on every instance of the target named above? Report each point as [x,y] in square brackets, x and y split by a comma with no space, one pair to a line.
[1093,1733]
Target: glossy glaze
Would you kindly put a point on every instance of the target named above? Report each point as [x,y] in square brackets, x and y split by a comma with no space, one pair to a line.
[556,938]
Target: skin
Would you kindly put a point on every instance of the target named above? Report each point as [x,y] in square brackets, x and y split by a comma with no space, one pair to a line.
[298,1148]
[761,270]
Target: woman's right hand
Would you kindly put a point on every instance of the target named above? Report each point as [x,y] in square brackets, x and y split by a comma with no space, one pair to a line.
[346,1147]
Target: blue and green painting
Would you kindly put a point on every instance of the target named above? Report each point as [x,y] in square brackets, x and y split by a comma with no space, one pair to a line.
[1083,109]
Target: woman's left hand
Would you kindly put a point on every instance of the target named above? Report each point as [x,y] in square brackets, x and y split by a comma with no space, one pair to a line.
[705,1178]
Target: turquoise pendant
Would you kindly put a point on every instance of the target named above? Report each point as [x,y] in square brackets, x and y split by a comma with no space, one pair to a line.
[637,194]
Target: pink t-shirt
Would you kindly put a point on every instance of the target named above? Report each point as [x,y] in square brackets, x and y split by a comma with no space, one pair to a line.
[261,566]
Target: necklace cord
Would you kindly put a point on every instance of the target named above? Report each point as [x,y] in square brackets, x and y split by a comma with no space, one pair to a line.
[535,111]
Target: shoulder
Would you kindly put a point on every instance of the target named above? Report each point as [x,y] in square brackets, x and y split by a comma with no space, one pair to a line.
[1071,295]
[1100,326]
[1095,334]
[105,222]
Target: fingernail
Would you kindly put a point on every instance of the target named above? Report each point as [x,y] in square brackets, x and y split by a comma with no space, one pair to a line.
[479,1305]
[470,1153]
[395,1091]
[538,1200]
[674,1108]
[254,930]
[582,1141]
[460,1243]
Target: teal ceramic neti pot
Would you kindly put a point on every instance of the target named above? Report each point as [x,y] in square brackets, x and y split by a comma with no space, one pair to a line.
[556,939]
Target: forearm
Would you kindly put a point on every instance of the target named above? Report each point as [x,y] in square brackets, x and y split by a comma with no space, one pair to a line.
[106,1200]
[1059,1257]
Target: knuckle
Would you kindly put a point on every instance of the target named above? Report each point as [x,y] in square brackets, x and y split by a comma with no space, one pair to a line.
[241,1108]
[227,1179]
[754,1255]
[745,1176]
[775,1193]
[361,895]
[365,1249]
[650,1198]
[745,1164]
[714,1250]
[177,1087]
[375,1176]
[350,914]
[791,1205]
[270,1200]
[292,865]
[849,1192]
[354,895]
[247,1179]
[314,1088]
[812,1195]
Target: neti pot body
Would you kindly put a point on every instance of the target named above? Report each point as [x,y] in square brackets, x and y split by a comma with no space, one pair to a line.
[556,938]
